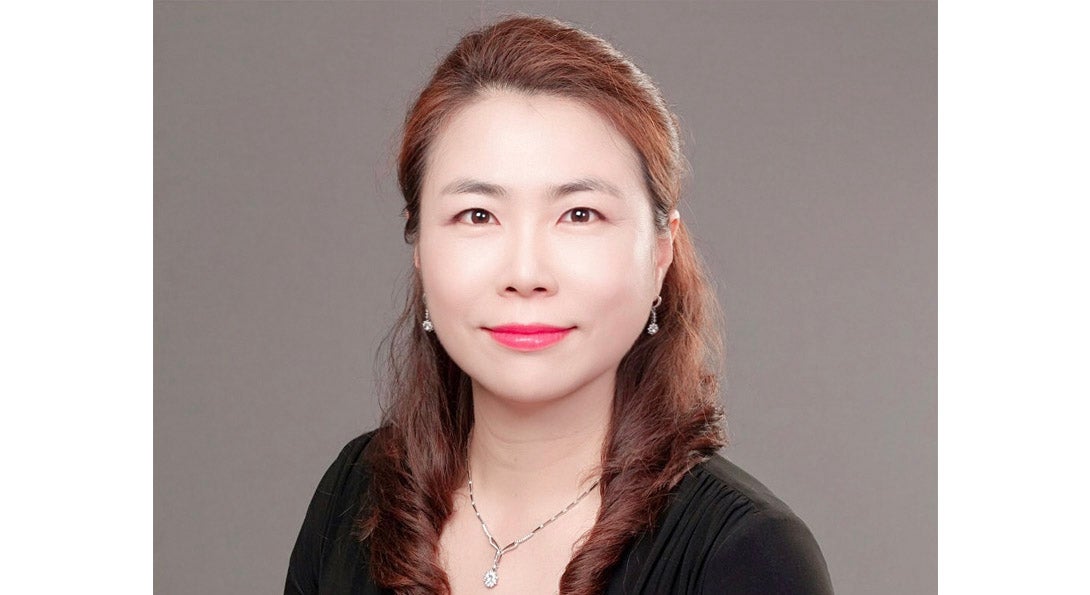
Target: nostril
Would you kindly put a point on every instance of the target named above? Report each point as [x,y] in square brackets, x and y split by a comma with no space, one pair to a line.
[535,290]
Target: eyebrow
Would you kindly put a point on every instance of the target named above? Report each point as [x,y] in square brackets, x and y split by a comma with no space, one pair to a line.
[588,184]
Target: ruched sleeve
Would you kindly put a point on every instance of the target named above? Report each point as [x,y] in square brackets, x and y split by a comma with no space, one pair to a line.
[766,554]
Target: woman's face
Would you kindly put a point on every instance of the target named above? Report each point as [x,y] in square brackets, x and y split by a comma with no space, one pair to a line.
[533,211]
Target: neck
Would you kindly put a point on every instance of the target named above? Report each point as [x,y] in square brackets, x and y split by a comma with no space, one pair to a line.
[539,454]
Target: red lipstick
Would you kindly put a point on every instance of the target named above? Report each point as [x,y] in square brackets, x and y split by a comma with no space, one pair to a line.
[528,337]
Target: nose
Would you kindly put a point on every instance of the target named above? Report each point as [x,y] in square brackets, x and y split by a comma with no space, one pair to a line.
[529,262]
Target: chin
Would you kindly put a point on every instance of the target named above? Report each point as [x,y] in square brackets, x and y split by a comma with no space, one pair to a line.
[527,390]
[528,393]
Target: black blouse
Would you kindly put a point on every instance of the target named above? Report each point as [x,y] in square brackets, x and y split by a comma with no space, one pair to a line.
[722,532]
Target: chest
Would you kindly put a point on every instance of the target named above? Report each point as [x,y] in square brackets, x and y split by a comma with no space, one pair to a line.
[533,568]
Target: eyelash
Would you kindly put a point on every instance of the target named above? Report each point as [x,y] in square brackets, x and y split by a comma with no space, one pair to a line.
[597,214]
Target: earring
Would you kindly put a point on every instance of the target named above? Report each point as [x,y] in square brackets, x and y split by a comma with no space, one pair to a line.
[654,327]
[428,326]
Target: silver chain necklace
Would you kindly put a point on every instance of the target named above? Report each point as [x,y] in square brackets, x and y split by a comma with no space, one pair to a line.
[490,577]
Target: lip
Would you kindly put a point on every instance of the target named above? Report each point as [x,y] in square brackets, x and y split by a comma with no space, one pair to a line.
[528,337]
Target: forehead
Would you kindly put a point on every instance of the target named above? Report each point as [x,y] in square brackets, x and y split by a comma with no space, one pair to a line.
[529,141]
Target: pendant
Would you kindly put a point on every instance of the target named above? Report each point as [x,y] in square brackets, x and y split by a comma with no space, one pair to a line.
[490,578]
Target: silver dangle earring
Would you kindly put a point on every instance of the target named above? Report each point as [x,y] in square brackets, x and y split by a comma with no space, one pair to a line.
[654,327]
[428,326]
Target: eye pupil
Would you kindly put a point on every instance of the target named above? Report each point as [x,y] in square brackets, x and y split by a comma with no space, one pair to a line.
[580,214]
[480,216]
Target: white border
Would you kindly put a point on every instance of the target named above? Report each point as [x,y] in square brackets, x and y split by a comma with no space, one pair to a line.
[1013,296]
[77,300]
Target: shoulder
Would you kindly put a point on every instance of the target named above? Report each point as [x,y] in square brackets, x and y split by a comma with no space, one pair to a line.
[754,542]
[348,472]
[352,452]
[345,480]
[723,484]
[325,535]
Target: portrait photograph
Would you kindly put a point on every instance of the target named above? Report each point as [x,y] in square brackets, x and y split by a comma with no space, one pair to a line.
[545,297]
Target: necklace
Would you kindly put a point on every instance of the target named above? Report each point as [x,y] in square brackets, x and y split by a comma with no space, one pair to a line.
[490,577]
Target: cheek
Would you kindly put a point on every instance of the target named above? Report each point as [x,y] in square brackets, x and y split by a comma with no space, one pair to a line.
[608,272]
[457,274]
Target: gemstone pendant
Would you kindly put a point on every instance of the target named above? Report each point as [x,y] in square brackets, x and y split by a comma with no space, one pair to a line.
[490,578]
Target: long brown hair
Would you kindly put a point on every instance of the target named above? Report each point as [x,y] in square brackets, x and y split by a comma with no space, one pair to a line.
[666,415]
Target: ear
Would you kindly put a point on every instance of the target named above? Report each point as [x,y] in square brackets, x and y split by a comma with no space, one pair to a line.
[665,250]
[416,245]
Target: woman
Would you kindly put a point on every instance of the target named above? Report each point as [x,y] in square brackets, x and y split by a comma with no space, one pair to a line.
[551,422]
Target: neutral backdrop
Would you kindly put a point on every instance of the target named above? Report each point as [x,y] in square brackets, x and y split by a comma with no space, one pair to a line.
[280,265]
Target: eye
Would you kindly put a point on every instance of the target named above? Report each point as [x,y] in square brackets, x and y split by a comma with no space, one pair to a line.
[476,216]
[583,214]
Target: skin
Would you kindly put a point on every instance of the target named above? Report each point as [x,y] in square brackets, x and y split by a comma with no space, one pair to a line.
[585,259]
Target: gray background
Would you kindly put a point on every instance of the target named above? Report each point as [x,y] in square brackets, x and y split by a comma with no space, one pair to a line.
[279,263]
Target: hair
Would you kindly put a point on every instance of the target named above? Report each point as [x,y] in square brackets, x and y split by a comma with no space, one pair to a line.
[666,416]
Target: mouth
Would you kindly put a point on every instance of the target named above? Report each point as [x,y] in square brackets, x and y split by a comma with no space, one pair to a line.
[528,337]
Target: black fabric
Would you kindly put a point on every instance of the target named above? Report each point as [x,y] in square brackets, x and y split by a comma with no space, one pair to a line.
[723,532]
